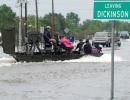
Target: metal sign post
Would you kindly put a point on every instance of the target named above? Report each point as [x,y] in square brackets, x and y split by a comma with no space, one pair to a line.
[112,61]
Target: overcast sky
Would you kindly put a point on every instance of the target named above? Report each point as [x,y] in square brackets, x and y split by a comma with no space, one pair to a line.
[84,8]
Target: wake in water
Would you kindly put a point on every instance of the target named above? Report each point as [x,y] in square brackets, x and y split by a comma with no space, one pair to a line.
[5,59]
[103,58]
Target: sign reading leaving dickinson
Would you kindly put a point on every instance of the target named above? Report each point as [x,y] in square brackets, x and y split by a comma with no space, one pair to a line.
[111,9]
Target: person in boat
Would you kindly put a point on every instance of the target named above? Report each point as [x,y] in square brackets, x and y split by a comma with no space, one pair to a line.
[71,37]
[80,46]
[87,47]
[58,43]
[49,40]
[65,43]
[57,38]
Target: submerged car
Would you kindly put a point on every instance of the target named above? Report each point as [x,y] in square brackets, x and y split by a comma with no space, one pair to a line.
[104,38]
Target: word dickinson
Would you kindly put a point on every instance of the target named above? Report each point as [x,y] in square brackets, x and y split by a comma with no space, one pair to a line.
[110,13]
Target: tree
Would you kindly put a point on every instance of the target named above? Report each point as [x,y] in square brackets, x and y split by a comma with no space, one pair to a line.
[123,26]
[107,26]
[59,21]
[92,26]
[72,21]
[7,17]
[31,20]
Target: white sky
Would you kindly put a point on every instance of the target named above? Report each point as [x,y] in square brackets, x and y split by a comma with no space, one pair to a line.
[84,8]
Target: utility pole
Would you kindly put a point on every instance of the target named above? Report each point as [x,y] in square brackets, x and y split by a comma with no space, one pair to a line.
[53,18]
[20,29]
[26,18]
[36,19]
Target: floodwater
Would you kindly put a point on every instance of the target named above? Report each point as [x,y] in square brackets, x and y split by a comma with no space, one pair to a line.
[87,78]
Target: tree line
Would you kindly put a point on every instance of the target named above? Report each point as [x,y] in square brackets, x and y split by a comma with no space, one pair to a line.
[71,21]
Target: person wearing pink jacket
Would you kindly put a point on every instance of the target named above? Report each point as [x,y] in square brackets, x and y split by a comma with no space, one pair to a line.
[65,43]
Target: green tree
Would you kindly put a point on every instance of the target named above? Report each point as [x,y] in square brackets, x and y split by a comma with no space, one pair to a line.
[72,21]
[59,21]
[91,26]
[107,26]
[123,26]
[31,20]
[7,17]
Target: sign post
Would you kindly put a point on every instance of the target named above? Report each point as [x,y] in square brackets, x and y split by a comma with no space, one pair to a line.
[112,61]
[112,10]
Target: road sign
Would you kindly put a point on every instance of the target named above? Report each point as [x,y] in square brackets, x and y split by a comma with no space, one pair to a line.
[66,30]
[110,9]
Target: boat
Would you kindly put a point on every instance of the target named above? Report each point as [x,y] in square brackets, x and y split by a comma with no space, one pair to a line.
[33,55]
[38,57]
[19,47]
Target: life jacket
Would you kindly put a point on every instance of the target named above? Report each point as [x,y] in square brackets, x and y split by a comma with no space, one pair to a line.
[65,42]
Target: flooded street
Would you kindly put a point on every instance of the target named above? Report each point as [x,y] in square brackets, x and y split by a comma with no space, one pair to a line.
[87,78]
[46,30]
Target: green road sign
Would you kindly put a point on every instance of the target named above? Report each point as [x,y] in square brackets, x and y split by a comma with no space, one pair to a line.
[111,10]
